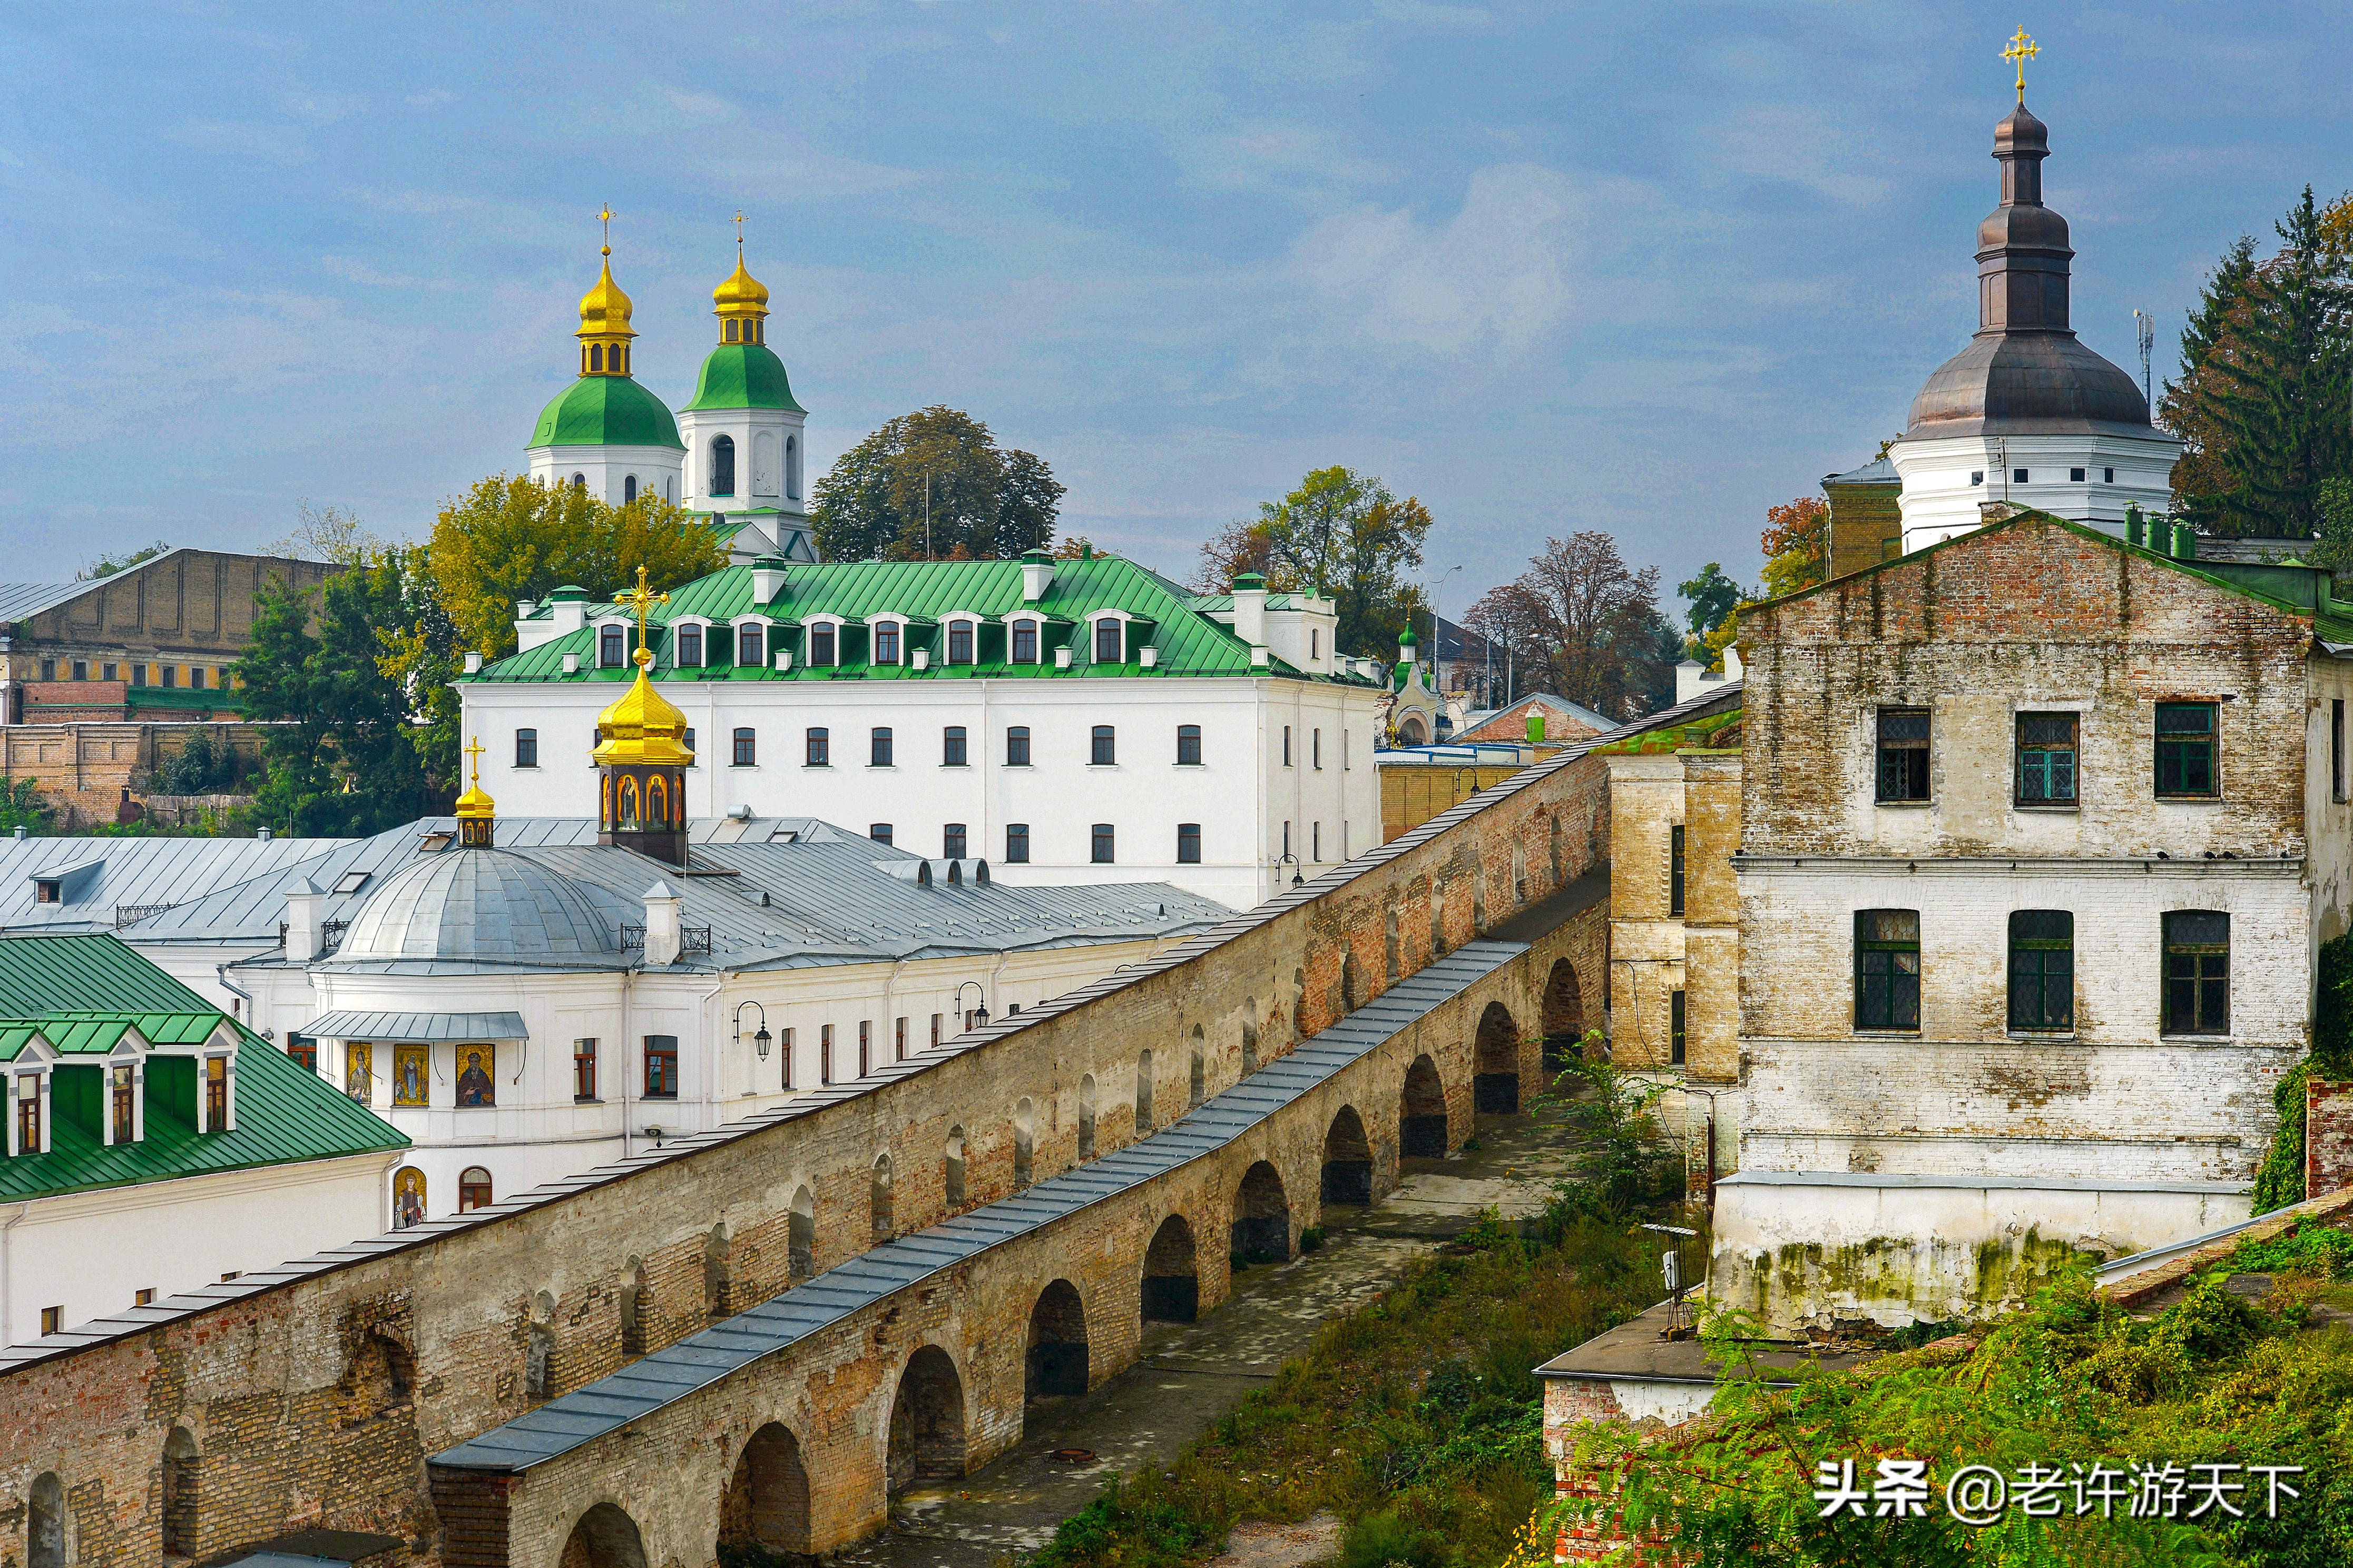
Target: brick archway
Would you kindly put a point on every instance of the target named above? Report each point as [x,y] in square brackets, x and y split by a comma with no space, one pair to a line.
[1172,1280]
[927,1442]
[1421,1111]
[1495,1083]
[1056,1358]
[767,1505]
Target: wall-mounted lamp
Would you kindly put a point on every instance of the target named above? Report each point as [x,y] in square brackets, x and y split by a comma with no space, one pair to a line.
[761,1040]
[980,1012]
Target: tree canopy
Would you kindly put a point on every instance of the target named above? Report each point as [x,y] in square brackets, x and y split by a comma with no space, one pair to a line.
[982,501]
[1581,624]
[1343,534]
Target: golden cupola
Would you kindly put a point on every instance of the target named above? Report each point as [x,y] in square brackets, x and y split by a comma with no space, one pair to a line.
[605,331]
[641,757]
[741,302]
[477,812]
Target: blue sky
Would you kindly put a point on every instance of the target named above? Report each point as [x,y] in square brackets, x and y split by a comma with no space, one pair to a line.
[1647,268]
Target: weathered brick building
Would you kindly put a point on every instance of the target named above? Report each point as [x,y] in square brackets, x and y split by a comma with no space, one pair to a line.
[2040,837]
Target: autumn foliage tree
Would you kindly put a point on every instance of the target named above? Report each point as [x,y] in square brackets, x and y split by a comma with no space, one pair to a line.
[935,484]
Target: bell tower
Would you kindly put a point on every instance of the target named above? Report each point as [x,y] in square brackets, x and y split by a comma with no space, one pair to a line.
[641,757]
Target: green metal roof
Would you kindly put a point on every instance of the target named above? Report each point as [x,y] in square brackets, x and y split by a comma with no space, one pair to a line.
[216,699]
[606,411]
[743,376]
[91,989]
[927,592]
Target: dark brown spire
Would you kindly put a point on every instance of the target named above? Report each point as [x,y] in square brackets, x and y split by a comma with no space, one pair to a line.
[2022,253]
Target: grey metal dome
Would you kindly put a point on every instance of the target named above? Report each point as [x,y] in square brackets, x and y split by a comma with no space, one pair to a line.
[483,905]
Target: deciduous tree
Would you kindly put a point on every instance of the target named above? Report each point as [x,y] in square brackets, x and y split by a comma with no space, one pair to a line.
[930,484]
[1347,536]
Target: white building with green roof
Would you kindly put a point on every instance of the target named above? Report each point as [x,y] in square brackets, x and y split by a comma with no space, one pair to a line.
[1069,721]
[154,1145]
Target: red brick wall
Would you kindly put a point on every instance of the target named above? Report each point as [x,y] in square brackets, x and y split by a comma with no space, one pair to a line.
[2327,1136]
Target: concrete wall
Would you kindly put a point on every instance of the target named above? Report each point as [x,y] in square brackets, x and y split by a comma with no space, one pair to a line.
[314,1396]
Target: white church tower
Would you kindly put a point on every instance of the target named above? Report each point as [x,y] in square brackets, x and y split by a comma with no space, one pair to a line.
[2026,413]
[605,433]
[745,441]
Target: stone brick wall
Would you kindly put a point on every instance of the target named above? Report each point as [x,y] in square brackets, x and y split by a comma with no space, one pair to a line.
[313,1397]
[1863,519]
[2327,1136]
[82,770]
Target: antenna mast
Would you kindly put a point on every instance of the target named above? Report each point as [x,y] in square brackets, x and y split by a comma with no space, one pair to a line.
[2145,325]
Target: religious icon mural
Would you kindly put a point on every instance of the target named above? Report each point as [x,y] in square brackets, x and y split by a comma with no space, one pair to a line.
[411,1076]
[474,1083]
[407,1197]
[359,1072]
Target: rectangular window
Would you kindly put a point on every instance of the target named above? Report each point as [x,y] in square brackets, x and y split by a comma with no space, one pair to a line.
[139,675]
[1903,753]
[53,1320]
[935,1027]
[2041,969]
[81,670]
[1102,842]
[786,1041]
[412,1075]
[689,742]
[195,678]
[2196,973]
[1315,645]
[2075,475]
[1017,843]
[865,1047]
[820,639]
[145,1298]
[825,1053]
[879,831]
[1887,969]
[28,1114]
[662,1067]
[898,1040]
[1105,751]
[2336,748]
[820,748]
[301,1049]
[2046,759]
[1189,745]
[110,671]
[1315,841]
[1189,844]
[612,650]
[1675,870]
[49,670]
[878,748]
[952,747]
[1016,746]
[526,748]
[886,642]
[1316,748]
[2018,476]
[2185,750]
[751,647]
[171,677]
[584,1069]
[1286,745]
[216,1094]
[1675,1015]
[1106,642]
[2109,476]
[959,642]
[124,1123]
[747,748]
[690,646]
[952,841]
[1025,642]
[1286,839]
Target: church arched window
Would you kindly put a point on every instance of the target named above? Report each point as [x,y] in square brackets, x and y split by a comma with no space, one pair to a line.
[579,481]
[596,356]
[793,467]
[722,466]
[629,488]
[731,332]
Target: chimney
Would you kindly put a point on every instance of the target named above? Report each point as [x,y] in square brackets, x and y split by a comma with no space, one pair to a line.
[662,926]
[523,607]
[1732,667]
[473,662]
[1250,609]
[767,578]
[1037,575]
[1688,675]
[303,931]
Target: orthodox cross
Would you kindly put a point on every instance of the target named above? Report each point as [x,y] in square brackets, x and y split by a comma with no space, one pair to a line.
[739,231]
[641,600]
[606,217]
[475,751]
[2021,50]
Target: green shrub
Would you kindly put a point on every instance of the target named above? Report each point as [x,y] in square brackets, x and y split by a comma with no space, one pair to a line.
[1379,1540]
[2279,1181]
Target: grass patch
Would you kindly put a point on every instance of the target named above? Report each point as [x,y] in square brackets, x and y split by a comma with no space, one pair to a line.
[1416,1419]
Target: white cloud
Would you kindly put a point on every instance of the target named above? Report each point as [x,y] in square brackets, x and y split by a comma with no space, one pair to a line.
[283,145]
[1800,144]
[1491,280]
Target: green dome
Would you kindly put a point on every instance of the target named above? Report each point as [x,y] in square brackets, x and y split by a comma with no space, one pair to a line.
[743,375]
[606,411]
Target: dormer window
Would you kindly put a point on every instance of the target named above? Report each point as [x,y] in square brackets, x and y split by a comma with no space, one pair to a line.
[46,890]
[216,1102]
[886,642]
[612,647]
[751,646]
[690,646]
[821,643]
[959,642]
[1107,649]
[1025,642]
[1315,645]
[123,1095]
[26,1126]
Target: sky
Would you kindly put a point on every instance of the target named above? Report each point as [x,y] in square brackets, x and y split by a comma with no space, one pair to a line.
[1646,269]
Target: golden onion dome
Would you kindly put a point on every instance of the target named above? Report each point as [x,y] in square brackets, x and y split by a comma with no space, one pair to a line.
[605,310]
[642,727]
[740,293]
[476,803]
[476,810]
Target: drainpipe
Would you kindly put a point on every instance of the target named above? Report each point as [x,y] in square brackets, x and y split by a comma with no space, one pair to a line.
[221,972]
[8,1275]
[710,1079]
[629,983]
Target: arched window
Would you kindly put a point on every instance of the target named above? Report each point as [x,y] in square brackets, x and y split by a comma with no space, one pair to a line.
[1144,1091]
[751,647]
[690,646]
[636,1309]
[821,643]
[579,481]
[1087,1117]
[629,488]
[1107,641]
[959,642]
[955,1172]
[722,466]
[881,1197]
[1025,642]
[731,332]
[886,642]
[793,467]
[596,357]
[474,1189]
[1024,1133]
[45,1525]
[179,1494]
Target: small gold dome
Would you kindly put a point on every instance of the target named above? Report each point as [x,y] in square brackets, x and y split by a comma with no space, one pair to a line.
[605,310]
[476,810]
[741,293]
[477,803]
[642,727]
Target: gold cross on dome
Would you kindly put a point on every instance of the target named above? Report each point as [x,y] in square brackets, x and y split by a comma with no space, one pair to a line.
[475,751]
[739,228]
[2021,50]
[641,600]
[606,217]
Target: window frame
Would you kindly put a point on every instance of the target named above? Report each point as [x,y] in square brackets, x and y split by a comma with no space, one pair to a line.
[1023,643]
[1102,844]
[2041,1021]
[744,747]
[1017,735]
[1113,628]
[1894,980]
[1016,844]
[665,1059]
[824,636]
[2203,985]
[1189,739]
[1678,870]
[682,632]
[1887,750]
[2020,750]
[961,631]
[2183,743]
[1189,844]
[887,637]
[584,1071]
[955,839]
[752,637]
[955,746]
[1678,1026]
[817,743]
[526,747]
[880,747]
[611,637]
[881,833]
[1102,746]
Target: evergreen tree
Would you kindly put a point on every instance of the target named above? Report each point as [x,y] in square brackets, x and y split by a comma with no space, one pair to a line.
[2186,404]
